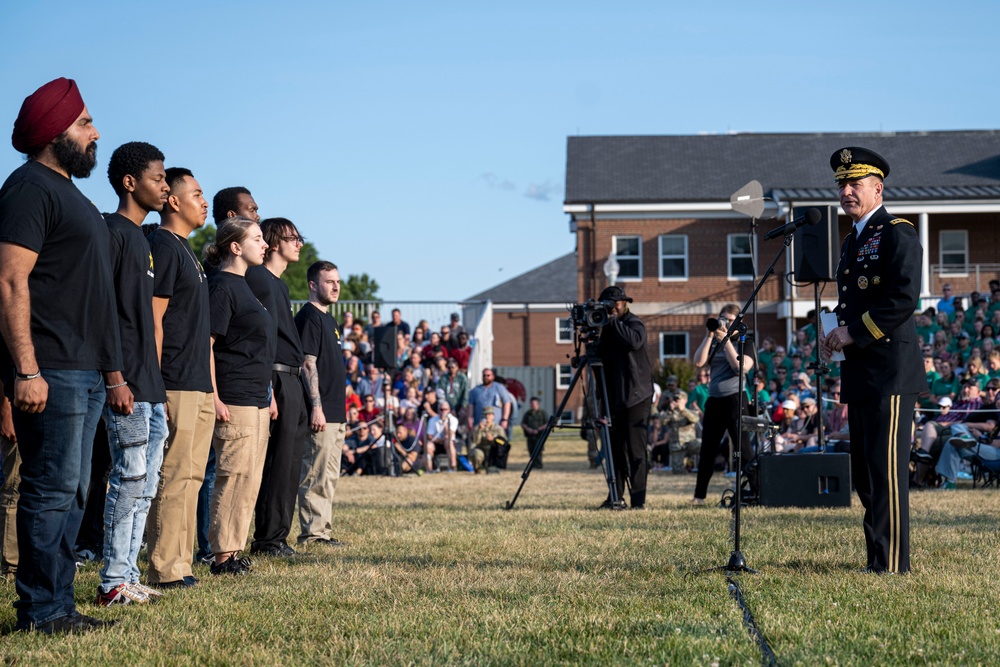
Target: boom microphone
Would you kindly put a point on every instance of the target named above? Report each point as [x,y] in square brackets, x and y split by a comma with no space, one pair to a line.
[811,217]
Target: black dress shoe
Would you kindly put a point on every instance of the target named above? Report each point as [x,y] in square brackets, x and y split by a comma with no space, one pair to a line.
[186,582]
[280,550]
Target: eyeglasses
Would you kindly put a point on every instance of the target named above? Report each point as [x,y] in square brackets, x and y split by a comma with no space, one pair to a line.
[294,239]
[992,388]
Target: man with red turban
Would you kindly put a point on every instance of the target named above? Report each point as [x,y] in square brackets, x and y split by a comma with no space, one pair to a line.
[59,360]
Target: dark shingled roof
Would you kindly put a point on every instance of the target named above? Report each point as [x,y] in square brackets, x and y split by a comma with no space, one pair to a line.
[704,168]
[554,282]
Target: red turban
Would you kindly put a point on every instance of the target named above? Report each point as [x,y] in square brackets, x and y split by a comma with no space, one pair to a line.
[45,114]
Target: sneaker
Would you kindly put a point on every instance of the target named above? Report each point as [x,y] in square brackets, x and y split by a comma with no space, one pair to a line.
[329,542]
[964,475]
[151,593]
[233,565]
[120,594]
[71,624]
[947,486]
[280,550]
[186,582]
[207,559]
[964,442]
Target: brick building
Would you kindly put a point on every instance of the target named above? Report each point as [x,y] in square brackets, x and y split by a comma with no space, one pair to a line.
[662,206]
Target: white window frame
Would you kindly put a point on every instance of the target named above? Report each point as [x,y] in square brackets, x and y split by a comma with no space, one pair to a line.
[730,256]
[560,382]
[964,233]
[661,256]
[619,256]
[560,330]
[687,345]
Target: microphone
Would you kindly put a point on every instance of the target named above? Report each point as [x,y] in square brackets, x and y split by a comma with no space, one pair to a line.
[811,217]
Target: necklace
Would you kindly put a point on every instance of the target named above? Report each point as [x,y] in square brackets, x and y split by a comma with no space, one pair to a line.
[194,260]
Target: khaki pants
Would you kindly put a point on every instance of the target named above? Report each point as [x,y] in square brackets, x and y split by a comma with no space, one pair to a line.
[240,447]
[171,525]
[320,472]
[8,504]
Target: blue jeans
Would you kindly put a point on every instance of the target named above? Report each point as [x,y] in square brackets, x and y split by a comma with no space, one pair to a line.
[204,507]
[55,447]
[136,444]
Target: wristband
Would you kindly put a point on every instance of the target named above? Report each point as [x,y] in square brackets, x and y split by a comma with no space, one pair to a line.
[116,386]
[27,376]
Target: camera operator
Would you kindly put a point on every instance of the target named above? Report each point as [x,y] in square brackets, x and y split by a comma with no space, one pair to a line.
[622,348]
[722,409]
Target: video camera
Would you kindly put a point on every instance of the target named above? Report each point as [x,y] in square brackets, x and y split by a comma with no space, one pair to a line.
[592,314]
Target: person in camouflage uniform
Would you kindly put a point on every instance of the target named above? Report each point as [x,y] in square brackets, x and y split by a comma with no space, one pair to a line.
[485,433]
[681,423]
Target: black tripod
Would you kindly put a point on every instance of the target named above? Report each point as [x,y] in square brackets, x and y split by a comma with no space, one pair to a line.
[597,404]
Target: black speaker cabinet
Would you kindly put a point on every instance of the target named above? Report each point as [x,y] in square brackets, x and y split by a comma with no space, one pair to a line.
[805,480]
[816,249]
[384,346]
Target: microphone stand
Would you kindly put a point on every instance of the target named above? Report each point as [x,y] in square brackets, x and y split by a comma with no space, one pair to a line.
[737,562]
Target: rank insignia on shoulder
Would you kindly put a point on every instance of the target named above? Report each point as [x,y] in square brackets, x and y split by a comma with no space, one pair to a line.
[876,280]
[862,282]
[896,221]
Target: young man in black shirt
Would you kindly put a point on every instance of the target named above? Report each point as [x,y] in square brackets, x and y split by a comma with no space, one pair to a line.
[135,439]
[283,463]
[56,300]
[181,326]
[324,377]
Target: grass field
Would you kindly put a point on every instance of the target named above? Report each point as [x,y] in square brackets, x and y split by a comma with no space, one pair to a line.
[436,572]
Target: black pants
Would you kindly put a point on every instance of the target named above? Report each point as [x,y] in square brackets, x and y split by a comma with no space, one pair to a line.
[722,415]
[880,462]
[629,429]
[279,484]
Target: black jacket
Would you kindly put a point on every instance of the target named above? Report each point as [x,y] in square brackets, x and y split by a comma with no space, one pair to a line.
[622,348]
[878,285]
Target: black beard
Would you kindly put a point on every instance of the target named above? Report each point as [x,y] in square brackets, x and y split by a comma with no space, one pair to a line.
[75,162]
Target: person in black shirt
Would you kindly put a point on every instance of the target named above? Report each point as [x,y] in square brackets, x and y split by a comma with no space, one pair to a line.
[182,330]
[231,202]
[243,346]
[325,379]
[283,462]
[56,301]
[622,347]
[135,439]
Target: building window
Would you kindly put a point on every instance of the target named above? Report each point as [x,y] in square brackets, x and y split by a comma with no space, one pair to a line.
[954,254]
[628,251]
[673,257]
[566,417]
[740,258]
[564,375]
[564,330]
[673,346]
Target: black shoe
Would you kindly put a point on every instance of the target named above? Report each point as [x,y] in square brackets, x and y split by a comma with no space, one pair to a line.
[606,505]
[233,565]
[279,550]
[72,624]
[329,541]
[186,582]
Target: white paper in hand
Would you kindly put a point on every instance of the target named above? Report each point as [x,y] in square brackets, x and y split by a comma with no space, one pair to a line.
[829,322]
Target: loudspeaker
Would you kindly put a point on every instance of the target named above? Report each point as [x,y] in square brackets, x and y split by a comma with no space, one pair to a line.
[816,248]
[805,480]
[384,347]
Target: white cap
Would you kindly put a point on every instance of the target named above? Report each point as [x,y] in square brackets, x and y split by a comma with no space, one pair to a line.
[944,402]
[789,405]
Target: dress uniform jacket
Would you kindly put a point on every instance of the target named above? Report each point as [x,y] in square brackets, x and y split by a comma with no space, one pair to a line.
[878,284]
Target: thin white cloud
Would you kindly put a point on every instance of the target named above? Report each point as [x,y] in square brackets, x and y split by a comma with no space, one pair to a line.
[541,191]
[495,181]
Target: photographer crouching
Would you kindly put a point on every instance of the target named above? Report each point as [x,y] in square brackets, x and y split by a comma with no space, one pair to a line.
[622,348]
[722,409]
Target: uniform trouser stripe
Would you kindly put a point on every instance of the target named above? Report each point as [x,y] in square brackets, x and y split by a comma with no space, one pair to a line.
[893,459]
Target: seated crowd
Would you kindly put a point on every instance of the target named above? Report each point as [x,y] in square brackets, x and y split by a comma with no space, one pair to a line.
[955,419]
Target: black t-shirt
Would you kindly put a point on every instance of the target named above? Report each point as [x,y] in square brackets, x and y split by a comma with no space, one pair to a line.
[132,272]
[245,336]
[272,291]
[320,335]
[186,353]
[72,296]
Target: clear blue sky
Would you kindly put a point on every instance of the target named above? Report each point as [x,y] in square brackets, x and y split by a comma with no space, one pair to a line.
[425,143]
